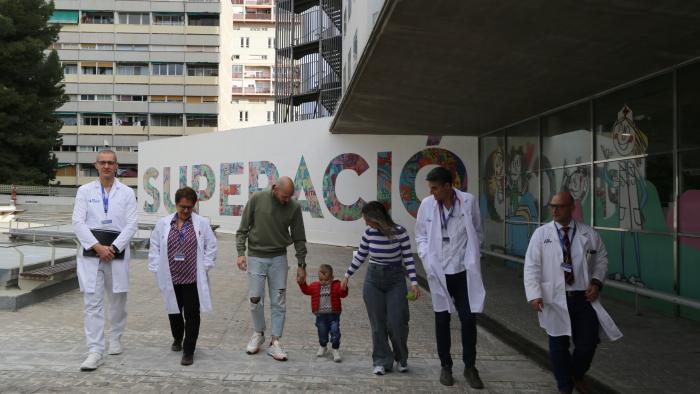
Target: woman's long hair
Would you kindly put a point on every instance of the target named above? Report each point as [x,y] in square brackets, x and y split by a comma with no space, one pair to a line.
[375,212]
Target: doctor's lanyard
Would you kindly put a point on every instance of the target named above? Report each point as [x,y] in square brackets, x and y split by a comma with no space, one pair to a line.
[444,220]
[105,205]
[567,264]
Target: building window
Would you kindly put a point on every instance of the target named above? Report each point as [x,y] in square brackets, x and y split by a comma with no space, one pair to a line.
[70,68]
[167,48]
[166,99]
[97,47]
[202,69]
[202,99]
[132,47]
[132,119]
[65,17]
[202,48]
[201,120]
[203,19]
[166,120]
[245,42]
[237,71]
[258,57]
[64,45]
[269,42]
[270,116]
[68,119]
[134,18]
[96,120]
[235,57]
[243,116]
[169,19]
[132,98]
[98,17]
[95,97]
[132,68]
[167,68]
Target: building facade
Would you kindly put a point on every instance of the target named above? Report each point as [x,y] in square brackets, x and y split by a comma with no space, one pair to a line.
[136,71]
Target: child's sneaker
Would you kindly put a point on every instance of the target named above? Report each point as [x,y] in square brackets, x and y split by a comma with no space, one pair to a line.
[336,355]
[401,367]
[321,351]
[378,370]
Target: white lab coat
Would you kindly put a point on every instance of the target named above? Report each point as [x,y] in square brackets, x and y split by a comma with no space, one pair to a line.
[159,264]
[429,245]
[544,278]
[88,213]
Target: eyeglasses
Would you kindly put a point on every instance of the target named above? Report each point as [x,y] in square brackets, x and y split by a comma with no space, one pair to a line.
[185,207]
[558,206]
[106,163]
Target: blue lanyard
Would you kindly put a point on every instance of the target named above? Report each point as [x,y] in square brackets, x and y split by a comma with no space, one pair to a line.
[105,200]
[181,235]
[561,241]
[445,220]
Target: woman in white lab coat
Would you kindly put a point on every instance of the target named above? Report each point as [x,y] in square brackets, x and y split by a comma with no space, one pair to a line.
[182,251]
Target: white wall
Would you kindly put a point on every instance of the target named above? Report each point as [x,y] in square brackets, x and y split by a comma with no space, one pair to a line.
[284,145]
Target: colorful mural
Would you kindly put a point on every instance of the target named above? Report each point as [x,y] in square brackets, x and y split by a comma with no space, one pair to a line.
[151,189]
[345,161]
[226,189]
[302,182]
[257,168]
[167,199]
[203,171]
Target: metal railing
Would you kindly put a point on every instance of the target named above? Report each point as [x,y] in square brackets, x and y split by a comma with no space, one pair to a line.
[634,289]
[50,242]
[39,190]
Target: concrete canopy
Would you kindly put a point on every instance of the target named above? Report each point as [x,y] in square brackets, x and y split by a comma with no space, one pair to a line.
[467,67]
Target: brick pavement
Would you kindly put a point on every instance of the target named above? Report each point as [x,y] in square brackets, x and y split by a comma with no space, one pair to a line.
[42,346]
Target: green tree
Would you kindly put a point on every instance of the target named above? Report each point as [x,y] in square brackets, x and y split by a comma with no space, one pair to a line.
[30,92]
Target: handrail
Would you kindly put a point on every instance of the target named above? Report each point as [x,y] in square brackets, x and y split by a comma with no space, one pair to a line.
[636,290]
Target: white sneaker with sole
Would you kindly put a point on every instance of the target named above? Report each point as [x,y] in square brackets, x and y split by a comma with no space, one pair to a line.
[401,368]
[255,342]
[321,351]
[115,347]
[378,370]
[92,361]
[336,355]
[276,352]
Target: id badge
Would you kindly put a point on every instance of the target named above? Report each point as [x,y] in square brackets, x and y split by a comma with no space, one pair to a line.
[567,267]
[179,256]
[107,221]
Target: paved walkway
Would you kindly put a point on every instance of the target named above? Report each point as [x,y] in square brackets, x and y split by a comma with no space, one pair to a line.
[42,346]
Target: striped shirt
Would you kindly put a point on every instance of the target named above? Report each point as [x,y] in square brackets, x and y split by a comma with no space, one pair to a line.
[384,251]
[182,272]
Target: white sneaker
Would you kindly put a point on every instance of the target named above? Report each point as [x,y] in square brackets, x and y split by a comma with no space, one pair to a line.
[255,342]
[115,347]
[92,361]
[276,352]
[401,368]
[336,355]
[378,370]
[321,351]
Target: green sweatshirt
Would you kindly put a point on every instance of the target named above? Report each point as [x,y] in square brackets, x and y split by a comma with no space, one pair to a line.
[266,226]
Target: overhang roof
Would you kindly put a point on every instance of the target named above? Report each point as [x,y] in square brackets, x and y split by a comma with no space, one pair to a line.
[466,67]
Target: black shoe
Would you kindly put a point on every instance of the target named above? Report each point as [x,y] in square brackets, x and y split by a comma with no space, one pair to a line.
[446,376]
[472,376]
[187,359]
[581,386]
[176,346]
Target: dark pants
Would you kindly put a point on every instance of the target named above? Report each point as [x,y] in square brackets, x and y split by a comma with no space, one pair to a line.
[584,327]
[188,302]
[384,293]
[457,287]
[328,323]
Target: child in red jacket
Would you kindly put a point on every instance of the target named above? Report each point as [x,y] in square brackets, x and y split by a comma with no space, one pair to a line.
[325,304]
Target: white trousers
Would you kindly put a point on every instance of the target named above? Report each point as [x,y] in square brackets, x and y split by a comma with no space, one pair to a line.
[94,311]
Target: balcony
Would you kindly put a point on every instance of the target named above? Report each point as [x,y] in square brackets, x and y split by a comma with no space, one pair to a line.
[248,91]
[257,75]
[253,3]
[253,17]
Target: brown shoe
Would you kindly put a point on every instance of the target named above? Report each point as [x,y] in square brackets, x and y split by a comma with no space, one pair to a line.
[581,386]
[187,359]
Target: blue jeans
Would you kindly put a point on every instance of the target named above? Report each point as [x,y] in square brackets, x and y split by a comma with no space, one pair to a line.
[384,293]
[584,328]
[274,271]
[328,323]
[457,288]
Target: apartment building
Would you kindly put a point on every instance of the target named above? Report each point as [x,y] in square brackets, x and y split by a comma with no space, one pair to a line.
[253,61]
[138,70]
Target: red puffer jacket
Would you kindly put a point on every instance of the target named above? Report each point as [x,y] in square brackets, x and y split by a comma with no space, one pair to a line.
[314,290]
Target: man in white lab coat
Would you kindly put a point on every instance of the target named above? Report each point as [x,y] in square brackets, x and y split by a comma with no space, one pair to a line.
[105,204]
[448,235]
[565,267]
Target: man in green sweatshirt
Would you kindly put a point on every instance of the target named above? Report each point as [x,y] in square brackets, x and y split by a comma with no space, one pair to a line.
[271,221]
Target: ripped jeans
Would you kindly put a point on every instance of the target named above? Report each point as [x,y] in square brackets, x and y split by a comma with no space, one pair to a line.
[274,269]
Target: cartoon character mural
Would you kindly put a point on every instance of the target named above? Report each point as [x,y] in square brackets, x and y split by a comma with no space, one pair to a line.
[630,186]
[494,185]
[576,182]
[521,205]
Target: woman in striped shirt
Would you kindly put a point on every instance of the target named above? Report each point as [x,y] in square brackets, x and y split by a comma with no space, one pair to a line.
[388,248]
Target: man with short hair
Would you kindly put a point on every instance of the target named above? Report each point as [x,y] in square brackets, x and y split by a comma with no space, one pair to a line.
[271,221]
[565,267]
[448,235]
[105,204]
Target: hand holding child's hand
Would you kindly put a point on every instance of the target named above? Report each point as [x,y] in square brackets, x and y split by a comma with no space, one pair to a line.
[344,283]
